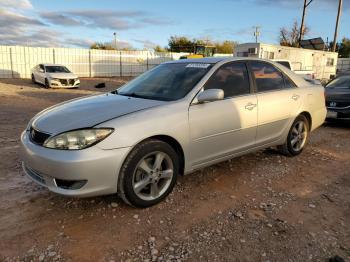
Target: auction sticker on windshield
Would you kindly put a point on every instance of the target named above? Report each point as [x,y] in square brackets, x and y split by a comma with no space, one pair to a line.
[198,65]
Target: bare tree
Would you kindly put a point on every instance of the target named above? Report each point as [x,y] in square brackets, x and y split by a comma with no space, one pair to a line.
[290,37]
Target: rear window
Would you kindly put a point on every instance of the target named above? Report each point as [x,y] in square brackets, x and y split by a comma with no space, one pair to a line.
[267,77]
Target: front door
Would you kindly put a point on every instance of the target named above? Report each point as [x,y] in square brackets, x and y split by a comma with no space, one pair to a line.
[221,128]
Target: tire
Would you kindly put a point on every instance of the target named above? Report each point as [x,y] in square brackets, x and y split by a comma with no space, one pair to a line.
[144,181]
[297,137]
[47,85]
[33,79]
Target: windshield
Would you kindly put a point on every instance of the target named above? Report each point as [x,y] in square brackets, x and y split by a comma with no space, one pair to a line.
[340,82]
[56,69]
[166,82]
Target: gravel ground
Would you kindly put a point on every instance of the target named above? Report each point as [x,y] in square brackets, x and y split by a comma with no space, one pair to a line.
[260,207]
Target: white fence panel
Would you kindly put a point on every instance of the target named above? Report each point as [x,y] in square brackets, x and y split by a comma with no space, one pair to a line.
[18,61]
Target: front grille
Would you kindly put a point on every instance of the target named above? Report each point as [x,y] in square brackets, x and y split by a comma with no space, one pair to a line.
[33,174]
[67,82]
[38,137]
[337,104]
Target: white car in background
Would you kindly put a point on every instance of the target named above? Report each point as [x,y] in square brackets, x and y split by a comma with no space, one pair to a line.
[55,76]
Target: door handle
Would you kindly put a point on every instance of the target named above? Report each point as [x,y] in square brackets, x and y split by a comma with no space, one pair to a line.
[250,106]
[295,97]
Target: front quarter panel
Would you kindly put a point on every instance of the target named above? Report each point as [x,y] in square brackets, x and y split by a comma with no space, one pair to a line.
[170,120]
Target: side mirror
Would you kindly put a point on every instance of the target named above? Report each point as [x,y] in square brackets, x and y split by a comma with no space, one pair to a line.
[210,95]
[100,85]
[41,70]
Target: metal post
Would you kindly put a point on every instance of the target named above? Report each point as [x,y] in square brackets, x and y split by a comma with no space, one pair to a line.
[89,63]
[115,40]
[53,56]
[147,61]
[336,25]
[11,62]
[120,64]
[25,62]
[301,32]
[256,33]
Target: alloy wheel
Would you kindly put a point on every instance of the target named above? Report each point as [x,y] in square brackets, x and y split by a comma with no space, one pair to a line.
[298,135]
[153,175]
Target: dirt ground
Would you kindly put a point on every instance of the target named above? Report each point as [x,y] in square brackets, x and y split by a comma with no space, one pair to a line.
[260,207]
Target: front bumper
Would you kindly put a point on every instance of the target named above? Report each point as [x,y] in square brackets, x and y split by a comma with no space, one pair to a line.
[96,169]
[338,113]
[64,83]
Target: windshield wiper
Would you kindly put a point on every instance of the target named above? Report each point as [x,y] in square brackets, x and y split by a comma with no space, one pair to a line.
[134,95]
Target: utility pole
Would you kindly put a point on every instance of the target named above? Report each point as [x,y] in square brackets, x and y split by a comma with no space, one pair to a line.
[336,25]
[302,28]
[256,33]
[115,40]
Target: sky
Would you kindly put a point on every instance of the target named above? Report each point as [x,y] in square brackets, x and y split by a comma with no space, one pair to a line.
[146,23]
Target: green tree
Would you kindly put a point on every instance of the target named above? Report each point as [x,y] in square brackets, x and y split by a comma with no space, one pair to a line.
[158,48]
[344,48]
[102,46]
[290,37]
[180,44]
[225,47]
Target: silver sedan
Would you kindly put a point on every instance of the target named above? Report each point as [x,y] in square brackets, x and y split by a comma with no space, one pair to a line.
[178,117]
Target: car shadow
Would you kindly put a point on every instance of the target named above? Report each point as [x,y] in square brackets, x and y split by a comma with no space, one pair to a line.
[344,124]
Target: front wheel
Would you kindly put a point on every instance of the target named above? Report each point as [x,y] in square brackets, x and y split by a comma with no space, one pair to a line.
[33,79]
[47,84]
[297,137]
[148,174]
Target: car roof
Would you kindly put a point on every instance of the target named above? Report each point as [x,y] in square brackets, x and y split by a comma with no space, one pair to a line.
[215,60]
[298,80]
[47,64]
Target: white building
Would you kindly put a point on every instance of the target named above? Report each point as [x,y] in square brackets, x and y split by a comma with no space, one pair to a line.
[322,63]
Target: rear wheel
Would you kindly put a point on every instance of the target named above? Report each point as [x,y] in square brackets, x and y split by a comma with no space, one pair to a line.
[148,174]
[297,137]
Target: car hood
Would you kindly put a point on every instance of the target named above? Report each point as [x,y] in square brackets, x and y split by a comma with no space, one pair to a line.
[88,112]
[62,75]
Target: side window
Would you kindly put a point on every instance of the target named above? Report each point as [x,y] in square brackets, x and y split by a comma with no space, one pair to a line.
[41,67]
[232,78]
[267,77]
[288,82]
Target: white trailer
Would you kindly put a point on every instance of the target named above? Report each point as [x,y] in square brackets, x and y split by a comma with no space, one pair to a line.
[343,65]
[322,63]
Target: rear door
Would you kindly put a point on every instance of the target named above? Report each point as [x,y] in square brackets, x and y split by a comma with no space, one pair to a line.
[278,101]
[220,128]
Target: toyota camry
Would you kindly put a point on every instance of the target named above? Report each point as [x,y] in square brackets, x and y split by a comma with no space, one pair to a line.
[179,117]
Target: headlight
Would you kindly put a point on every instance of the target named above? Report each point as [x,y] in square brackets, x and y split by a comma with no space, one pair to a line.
[78,139]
